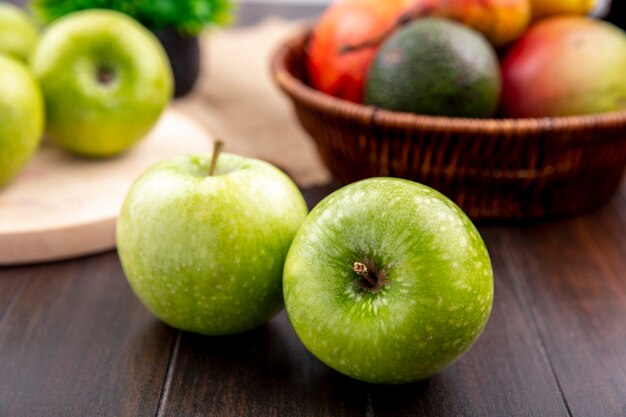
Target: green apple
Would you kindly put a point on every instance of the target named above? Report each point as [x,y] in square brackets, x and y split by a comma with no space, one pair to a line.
[205,253]
[105,79]
[21,117]
[388,281]
[18,33]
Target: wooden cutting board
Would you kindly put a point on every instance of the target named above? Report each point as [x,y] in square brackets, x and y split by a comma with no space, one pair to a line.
[63,206]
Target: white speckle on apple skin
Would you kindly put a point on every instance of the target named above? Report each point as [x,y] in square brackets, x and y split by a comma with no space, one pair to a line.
[428,302]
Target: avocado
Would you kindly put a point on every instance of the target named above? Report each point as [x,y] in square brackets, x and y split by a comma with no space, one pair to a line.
[435,66]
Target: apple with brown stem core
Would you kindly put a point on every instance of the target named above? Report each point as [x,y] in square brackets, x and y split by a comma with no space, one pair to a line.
[388,281]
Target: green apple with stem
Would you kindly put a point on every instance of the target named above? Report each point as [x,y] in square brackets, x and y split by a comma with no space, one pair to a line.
[203,240]
[21,117]
[105,78]
[18,33]
[388,281]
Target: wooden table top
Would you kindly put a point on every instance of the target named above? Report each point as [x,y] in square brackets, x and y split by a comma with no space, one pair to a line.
[75,341]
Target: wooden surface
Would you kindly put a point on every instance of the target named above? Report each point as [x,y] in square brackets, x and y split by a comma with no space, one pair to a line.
[74,341]
[62,206]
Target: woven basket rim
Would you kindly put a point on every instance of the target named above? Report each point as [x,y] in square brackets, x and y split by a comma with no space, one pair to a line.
[311,97]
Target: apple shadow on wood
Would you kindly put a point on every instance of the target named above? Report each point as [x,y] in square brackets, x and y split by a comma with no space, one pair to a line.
[270,362]
[254,366]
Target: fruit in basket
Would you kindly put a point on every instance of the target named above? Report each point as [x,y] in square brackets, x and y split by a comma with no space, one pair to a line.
[345,40]
[18,34]
[388,281]
[346,23]
[21,117]
[436,67]
[105,79]
[500,21]
[565,66]
[544,8]
[205,253]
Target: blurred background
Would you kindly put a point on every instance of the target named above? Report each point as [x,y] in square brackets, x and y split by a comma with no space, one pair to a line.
[251,11]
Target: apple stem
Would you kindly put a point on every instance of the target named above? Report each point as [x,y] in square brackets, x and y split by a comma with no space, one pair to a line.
[361,269]
[217,149]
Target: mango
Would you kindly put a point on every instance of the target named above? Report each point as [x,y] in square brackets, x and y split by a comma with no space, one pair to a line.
[565,65]
[544,8]
[346,23]
[501,21]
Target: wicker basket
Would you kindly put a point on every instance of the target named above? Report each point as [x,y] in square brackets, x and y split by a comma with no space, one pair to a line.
[494,169]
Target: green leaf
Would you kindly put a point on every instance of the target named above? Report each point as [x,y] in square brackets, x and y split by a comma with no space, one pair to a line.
[188,16]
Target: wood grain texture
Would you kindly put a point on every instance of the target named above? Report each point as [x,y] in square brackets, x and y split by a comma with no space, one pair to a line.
[573,274]
[75,341]
[78,343]
[12,284]
[265,372]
